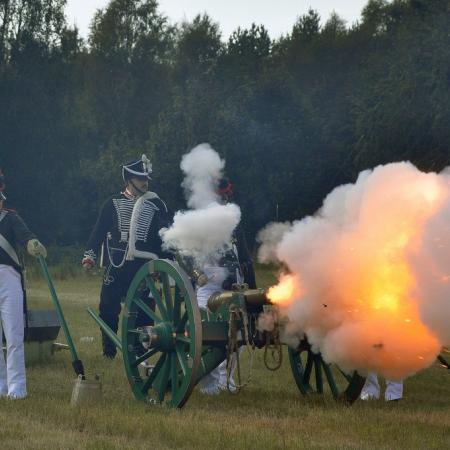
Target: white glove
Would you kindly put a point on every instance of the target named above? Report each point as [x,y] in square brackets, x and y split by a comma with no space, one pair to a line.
[35,248]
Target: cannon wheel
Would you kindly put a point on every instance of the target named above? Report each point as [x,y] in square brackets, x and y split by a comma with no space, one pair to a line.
[311,372]
[171,377]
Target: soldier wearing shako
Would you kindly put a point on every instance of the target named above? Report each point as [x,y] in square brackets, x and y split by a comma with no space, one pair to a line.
[112,233]
[237,259]
[235,266]
[13,233]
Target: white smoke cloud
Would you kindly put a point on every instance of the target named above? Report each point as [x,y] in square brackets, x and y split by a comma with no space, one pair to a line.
[431,266]
[204,231]
[203,169]
[269,238]
[369,272]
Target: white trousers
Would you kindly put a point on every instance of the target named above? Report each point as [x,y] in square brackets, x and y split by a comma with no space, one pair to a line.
[216,379]
[12,374]
[394,389]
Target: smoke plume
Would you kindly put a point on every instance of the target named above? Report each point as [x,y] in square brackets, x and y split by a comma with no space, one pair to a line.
[206,229]
[203,169]
[369,279]
[269,238]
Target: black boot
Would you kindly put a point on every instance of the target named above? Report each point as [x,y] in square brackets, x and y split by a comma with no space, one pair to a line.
[109,349]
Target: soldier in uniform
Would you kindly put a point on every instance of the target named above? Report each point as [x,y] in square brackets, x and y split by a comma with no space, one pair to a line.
[238,253]
[13,233]
[235,266]
[111,232]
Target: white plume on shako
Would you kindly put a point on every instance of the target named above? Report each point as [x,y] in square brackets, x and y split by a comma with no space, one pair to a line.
[368,277]
[203,231]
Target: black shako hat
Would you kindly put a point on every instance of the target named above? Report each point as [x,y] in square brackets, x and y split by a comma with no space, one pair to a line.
[141,168]
[225,186]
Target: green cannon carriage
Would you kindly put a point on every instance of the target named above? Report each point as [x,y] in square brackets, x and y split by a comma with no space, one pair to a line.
[184,343]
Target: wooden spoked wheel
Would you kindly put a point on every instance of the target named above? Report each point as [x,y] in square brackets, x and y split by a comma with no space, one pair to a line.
[161,334]
[313,375]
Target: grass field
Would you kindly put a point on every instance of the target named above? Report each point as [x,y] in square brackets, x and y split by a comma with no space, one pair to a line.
[268,414]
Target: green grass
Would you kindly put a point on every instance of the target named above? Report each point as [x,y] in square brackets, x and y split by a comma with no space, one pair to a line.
[268,414]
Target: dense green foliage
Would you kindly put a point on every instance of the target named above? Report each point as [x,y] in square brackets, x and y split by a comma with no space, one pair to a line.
[293,117]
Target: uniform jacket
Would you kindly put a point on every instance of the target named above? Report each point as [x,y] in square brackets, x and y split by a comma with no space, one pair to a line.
[16,232]
[237,256]
[113,226]
[245,259]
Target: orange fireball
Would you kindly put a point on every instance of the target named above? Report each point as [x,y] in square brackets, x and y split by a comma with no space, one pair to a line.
[360,298]
[286,291]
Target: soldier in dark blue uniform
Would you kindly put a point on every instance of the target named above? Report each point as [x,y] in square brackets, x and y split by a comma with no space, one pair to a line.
[13,233]
[238,258]
[111,232]
[235,266]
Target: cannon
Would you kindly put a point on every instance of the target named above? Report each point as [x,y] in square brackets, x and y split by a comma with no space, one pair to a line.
[179,343]
[41,330]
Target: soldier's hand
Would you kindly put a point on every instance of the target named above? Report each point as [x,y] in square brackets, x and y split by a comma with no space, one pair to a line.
[87,263]
[35,248]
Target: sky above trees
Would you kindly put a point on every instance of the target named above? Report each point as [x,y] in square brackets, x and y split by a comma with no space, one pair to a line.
[277,16]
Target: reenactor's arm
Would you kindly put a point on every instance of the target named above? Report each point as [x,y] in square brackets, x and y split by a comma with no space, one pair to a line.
[98,234]
[26,238]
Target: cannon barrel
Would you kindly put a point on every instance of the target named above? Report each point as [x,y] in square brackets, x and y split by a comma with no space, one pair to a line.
[254,298]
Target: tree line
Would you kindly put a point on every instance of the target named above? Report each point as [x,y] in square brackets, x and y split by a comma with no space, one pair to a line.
[294,117]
